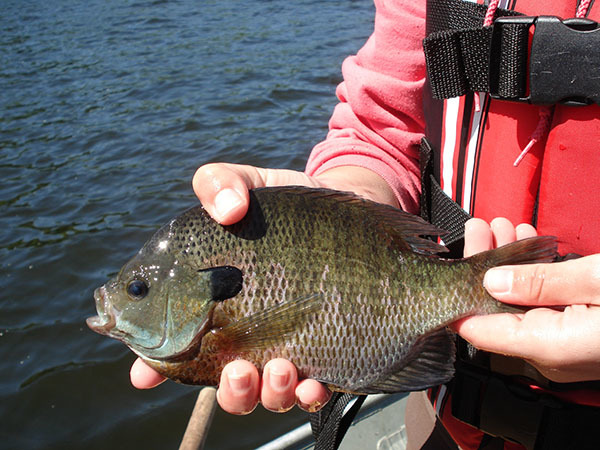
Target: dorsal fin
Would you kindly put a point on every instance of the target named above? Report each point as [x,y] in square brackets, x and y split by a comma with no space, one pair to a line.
[403,228]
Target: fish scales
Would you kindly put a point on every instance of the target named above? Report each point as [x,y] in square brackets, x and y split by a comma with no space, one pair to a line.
[343,287]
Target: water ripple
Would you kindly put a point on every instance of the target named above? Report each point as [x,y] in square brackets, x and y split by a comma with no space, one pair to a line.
[108,108]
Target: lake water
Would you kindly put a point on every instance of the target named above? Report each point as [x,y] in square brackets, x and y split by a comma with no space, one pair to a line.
[107,108]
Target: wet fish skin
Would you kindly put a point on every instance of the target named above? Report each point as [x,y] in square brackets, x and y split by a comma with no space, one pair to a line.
[343,287]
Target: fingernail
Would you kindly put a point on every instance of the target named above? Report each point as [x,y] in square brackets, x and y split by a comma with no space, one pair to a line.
[279,381]
[225,201]
[313,407]
[239,383]
[498,281]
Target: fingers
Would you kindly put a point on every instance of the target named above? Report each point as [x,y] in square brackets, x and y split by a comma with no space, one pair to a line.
[478,237]
[239,388]
[533,284]
[563,283]
[223,188]
[525,230]
[312,395]
[144,377]
[278,385]
[503,231]
[561,344]
[484,331]
[223,191]
[281,389]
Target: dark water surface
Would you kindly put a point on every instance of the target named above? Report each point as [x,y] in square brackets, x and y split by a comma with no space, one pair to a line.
[107,108]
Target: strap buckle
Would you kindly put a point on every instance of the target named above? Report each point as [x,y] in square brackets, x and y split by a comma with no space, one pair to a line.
[564,62]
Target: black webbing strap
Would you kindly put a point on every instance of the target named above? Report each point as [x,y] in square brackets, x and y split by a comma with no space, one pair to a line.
[329,425]
[439,209]
[447,214]
[463,56]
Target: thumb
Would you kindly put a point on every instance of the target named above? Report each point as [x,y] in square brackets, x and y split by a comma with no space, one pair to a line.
[570,282]
[223,191]
[223,188]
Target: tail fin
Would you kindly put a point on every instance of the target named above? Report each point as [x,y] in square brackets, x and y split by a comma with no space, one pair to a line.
[539,249]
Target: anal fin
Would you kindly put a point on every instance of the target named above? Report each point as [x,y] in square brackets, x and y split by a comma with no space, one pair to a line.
[430,363]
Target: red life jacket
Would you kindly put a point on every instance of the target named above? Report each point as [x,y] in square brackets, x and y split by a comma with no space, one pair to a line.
[553,186]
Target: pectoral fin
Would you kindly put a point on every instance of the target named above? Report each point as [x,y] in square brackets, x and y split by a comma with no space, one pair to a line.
[430,363]
[270,326]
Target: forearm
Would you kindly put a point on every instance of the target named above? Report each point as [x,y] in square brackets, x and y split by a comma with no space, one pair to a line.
[379,177]
[378,123]
[362,181]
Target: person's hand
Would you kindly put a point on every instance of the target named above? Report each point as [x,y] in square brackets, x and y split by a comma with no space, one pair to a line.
[561,342]
[223,190]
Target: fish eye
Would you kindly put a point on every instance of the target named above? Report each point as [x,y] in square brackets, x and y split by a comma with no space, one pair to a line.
[137,289]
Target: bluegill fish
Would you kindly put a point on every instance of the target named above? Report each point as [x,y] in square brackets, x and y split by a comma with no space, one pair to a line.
[345,288]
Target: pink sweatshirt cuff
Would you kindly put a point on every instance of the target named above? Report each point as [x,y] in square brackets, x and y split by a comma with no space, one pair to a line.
[330,154]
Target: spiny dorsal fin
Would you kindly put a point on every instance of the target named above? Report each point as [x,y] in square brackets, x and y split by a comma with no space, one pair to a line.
[431,363]
[269,326]
[403,228]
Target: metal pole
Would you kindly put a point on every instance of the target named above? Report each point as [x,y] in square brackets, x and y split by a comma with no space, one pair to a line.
[200,420]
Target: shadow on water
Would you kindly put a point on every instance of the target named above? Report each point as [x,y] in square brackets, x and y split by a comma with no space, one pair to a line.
[108,109]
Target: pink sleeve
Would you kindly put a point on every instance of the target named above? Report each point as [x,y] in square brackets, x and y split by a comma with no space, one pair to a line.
[379,122]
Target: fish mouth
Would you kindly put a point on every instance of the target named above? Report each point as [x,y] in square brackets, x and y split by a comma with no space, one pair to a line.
[106,319]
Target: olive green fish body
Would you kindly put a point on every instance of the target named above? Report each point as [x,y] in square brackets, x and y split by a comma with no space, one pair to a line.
[343,287]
